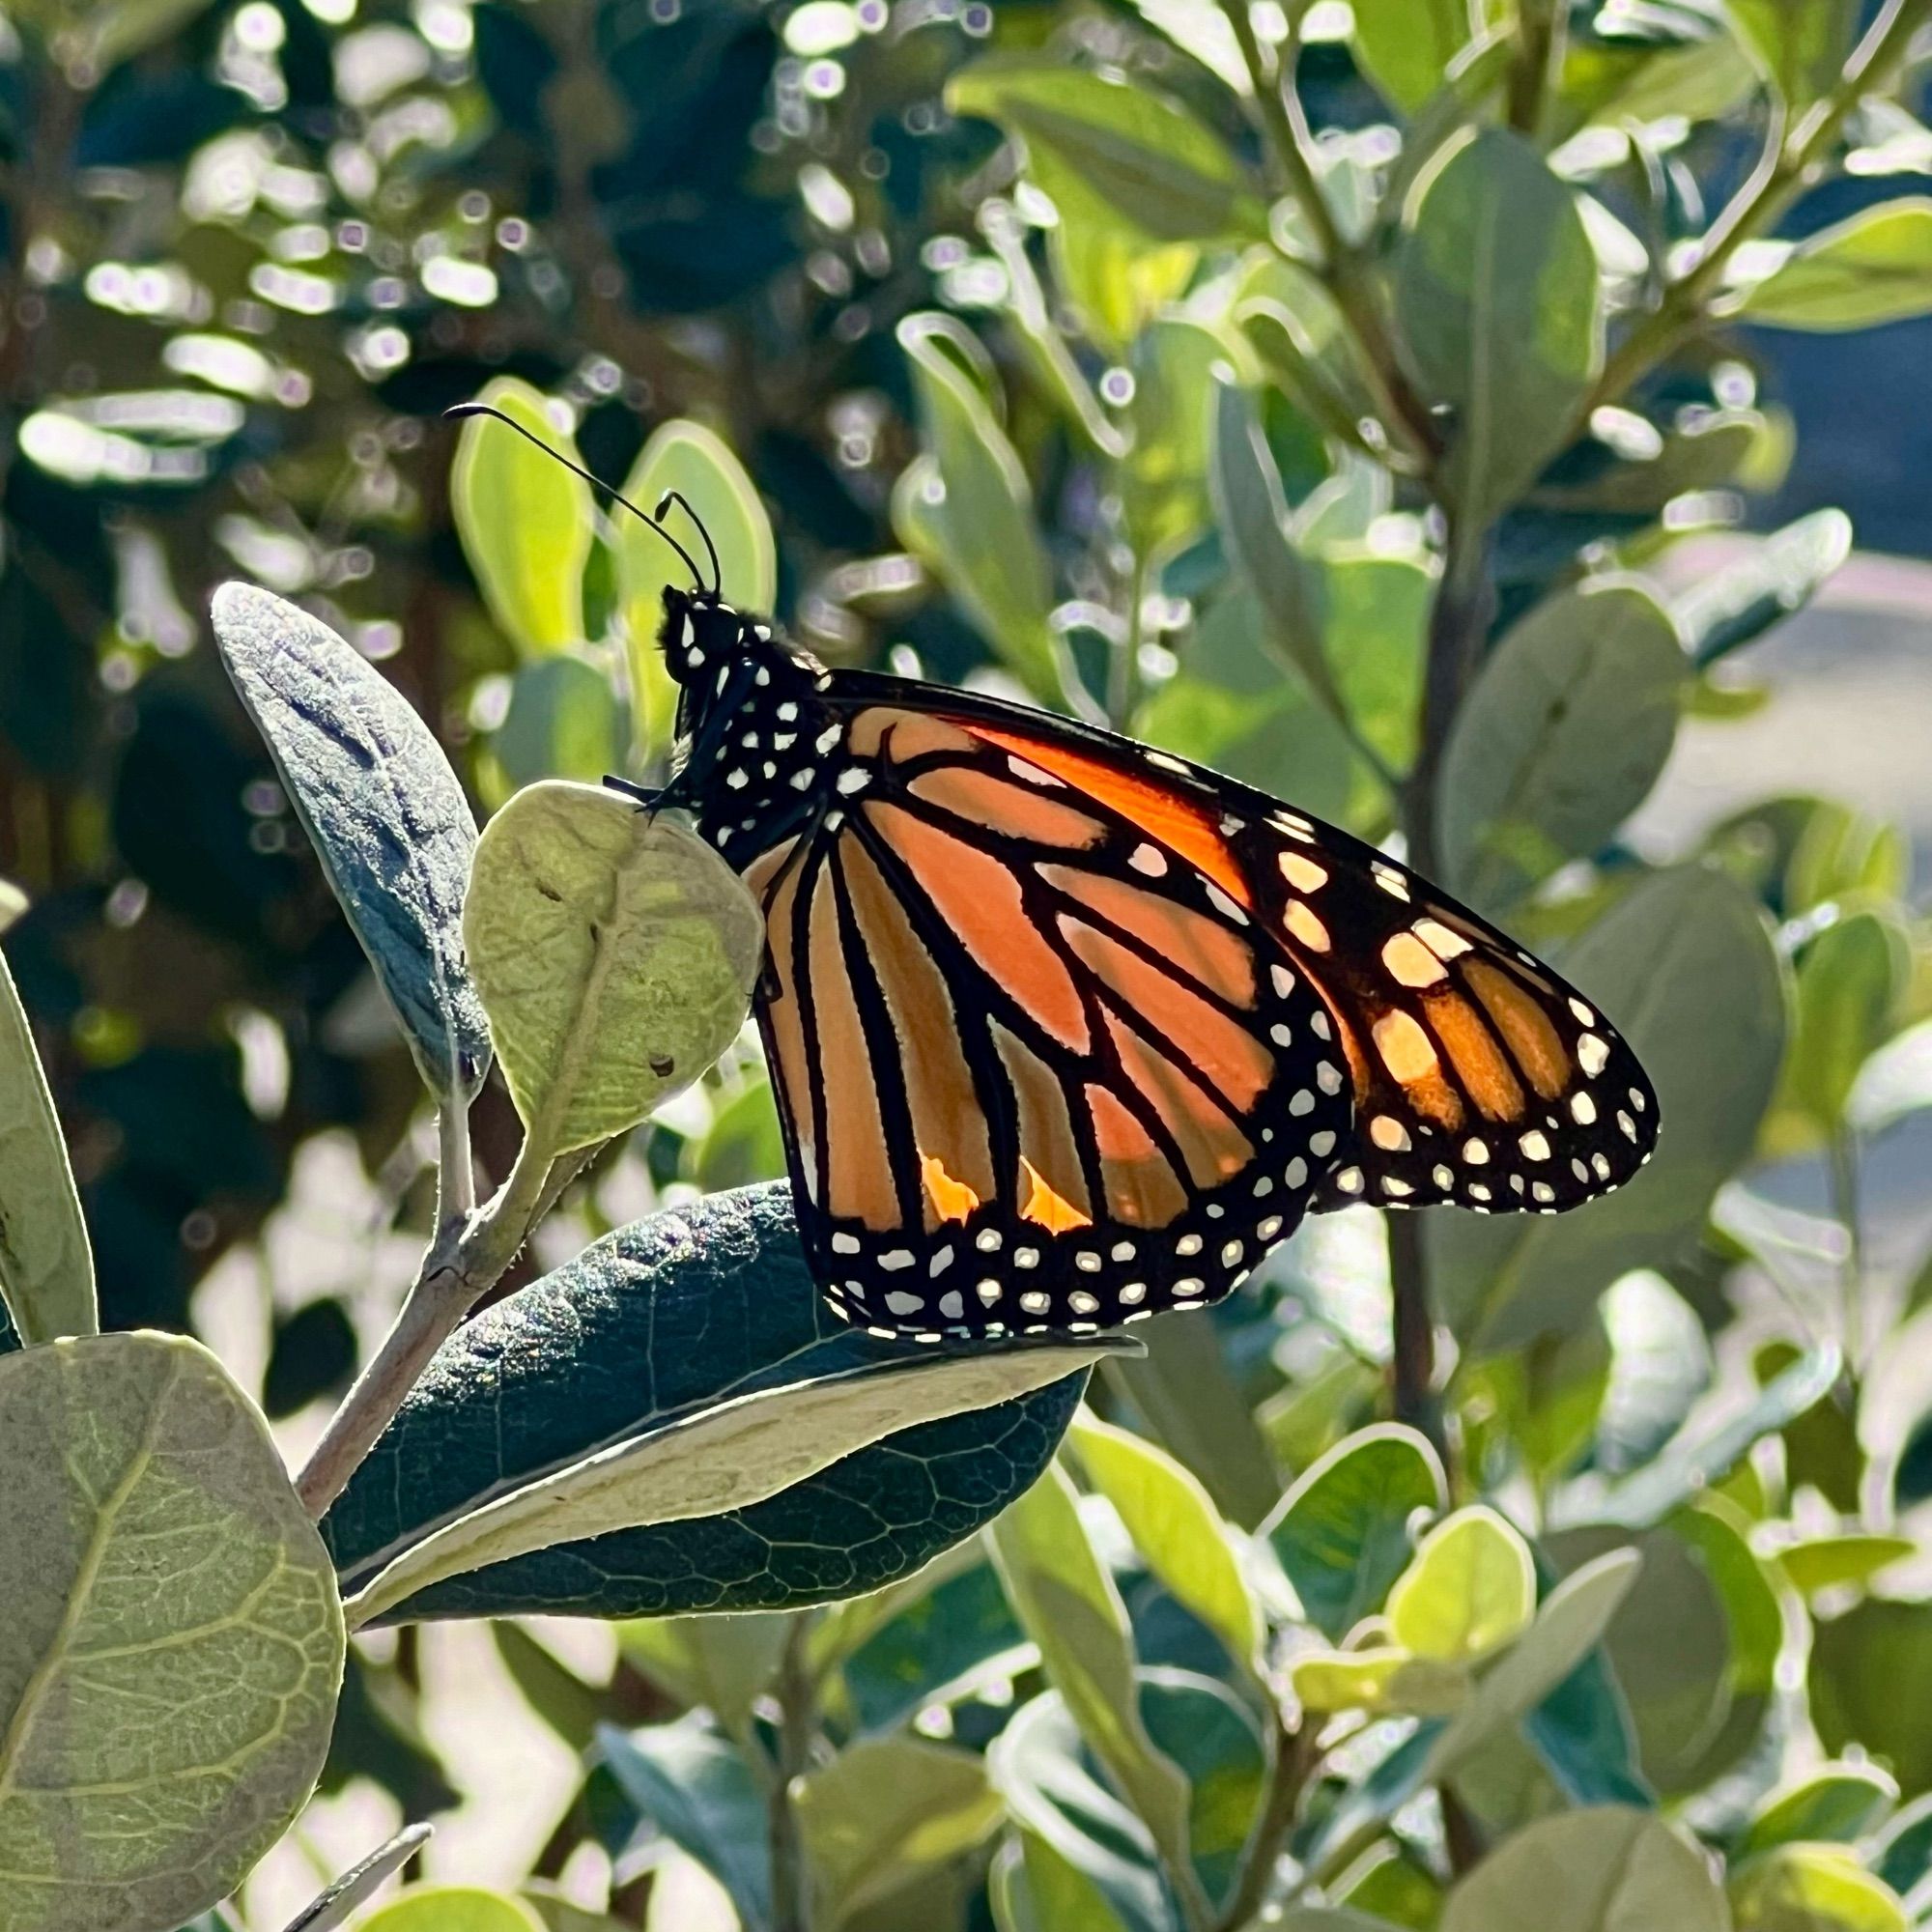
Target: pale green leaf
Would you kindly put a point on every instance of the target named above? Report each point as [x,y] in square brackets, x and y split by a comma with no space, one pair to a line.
[965,508]
[452,1908]
[1068,1604]
[1801,45]
[1684,965]
[884,1809]
[1176,1528]
[1405,47]
[1823,1563]
[1812,1888]
[1837,1804]
[525,521]
[1605,1869]
[1894,1082]
[685,1897]
[724,1664]
[1164,479]
[385,814]
[1561,738]
[693,460]
[1104,148]
[1470,1588]
[1383,1680]
[173,1641]
[1342,1533]
[1569,1624]
[1875,267]
[564,721]
[46,1264]
[725,1458]
[1497,302]
[614,952]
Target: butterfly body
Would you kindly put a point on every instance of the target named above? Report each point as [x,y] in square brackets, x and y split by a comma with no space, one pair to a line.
[1064,1031]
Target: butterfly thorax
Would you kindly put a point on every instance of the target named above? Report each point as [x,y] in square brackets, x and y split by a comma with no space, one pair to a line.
[755,733]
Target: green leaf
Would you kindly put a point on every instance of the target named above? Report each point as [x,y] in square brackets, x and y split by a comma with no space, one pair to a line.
[1340,1533]
[1901,1854]
[1851,978]
[1496,301]
[1564,733]
[1105,149]
[1874,269]
[614,952]
[724,1664]
[1176,1528]
[1801,48]
[524,519]
[1469,1589]
[698,1789]
[667,1320]
[965,508]
[1859,1664]
[1068,1604]
[1032,1887]
[387,816]
[1164,479]
[1252,511]
[1405,49]
[684,456]
[174,1640]
[564,721]
[1382,1680]
[1837,1804]
[1568,1626]
[452,1908]
[1824,1563]
[1087,1855]
[686,1899]
[1775,575]
[1186,1389]
[1684,965]
[1606,1869]
[1307,350]
[1329,1918]
[1212,1735]
[1894,1082]
[1812,1888]
[46,1264]
[733,1455]
[885,1809]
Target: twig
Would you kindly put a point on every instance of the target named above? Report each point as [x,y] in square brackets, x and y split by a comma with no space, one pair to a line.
[791,1903]
[1295,1756]
[1290,146]
[466,1259]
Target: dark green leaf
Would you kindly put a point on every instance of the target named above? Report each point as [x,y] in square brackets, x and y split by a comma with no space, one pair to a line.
[388,818]
[1342,1533]
[650,1326]
[1562,737]
[1861,1665]
[1838,1803]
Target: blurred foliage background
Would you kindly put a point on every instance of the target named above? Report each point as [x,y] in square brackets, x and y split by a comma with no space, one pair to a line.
[1025,375]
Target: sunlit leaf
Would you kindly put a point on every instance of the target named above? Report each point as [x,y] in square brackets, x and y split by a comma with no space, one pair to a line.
[1838,1803]
[525,522]
[46,1262]
[1469,1589]
[1812,1888]
[452,1908]
[174,1645]
[1406,49]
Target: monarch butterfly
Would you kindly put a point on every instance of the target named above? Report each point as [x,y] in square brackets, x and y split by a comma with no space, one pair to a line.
[1065,1030]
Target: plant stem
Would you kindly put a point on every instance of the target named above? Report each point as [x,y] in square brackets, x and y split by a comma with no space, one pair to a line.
[464,1259]
[1290,146]
[1295,1756]
[1124,667]
[791,1902]
[1845,1206]
[1783,173]
[1539,59]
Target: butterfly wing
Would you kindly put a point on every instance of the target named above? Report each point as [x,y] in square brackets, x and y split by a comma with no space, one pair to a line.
[1038,1068]
[1480,1076]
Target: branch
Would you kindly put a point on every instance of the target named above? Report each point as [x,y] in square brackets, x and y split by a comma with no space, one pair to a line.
[467,1258]
[1295,1756]
[1286,133]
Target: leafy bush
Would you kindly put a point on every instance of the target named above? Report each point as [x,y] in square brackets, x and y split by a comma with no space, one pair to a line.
[1357,414]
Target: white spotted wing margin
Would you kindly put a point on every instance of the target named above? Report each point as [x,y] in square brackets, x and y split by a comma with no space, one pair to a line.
[1039,1073]
[1483,1079]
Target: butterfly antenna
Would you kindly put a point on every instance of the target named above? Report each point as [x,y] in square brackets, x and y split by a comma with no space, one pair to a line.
[683,502]
[597,483]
